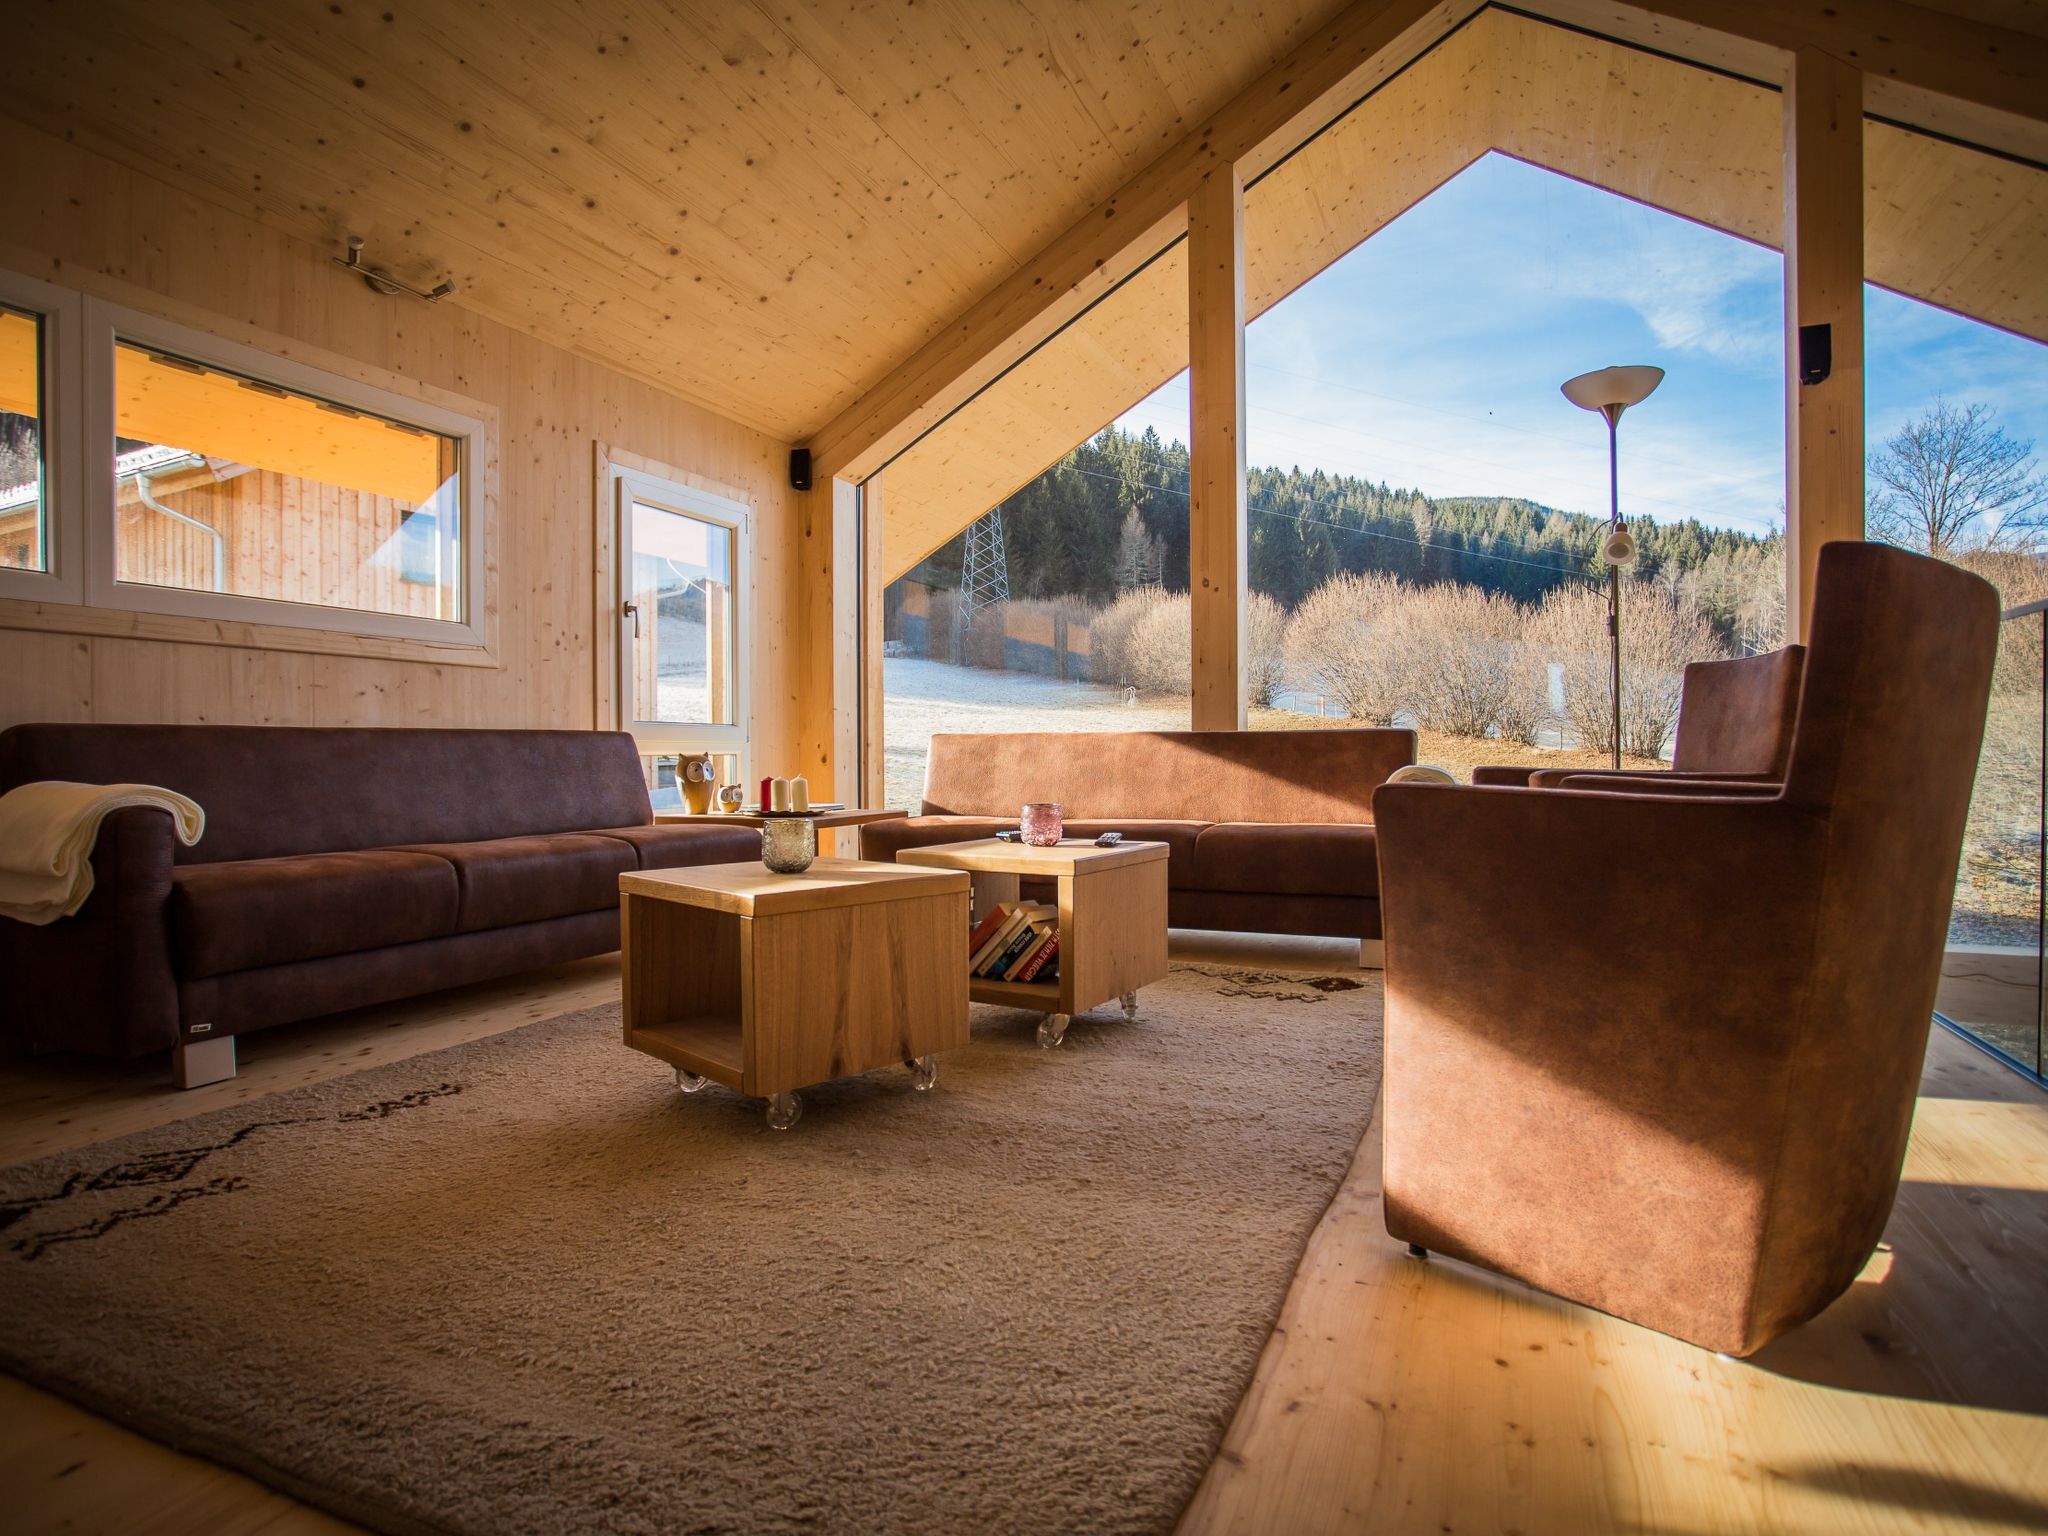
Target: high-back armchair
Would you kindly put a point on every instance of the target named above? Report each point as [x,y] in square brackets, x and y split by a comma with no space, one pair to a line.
[1658,1053]
[1735,722]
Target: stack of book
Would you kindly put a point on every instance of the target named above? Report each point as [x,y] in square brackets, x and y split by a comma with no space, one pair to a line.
[1019,941]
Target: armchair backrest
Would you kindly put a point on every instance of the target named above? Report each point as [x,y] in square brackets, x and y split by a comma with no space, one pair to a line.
[1736,717]
[1891,719]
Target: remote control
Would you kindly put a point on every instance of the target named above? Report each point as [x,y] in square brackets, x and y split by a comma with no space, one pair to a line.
[1011,836]
[1109,839]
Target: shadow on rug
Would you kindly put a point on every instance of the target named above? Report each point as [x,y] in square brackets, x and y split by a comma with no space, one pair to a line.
[524,1285]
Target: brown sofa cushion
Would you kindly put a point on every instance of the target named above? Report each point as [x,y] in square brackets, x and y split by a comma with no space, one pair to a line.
[1179,837]
[524,879]
[258,912]
[1288,858]
[678,847]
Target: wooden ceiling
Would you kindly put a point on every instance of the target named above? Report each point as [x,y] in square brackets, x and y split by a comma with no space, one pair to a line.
[758,206]
[1942,223]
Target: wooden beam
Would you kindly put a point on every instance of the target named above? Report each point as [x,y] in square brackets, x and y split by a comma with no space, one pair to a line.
[827,641]
[867,618]
[1927,67]
[1823,293]
[1360,47]
[1217,540]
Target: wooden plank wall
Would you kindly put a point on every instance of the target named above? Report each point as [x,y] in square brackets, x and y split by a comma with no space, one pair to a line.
[73,217]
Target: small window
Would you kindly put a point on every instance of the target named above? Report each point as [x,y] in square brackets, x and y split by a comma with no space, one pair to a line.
[684,620]
[229,484]
[24,494]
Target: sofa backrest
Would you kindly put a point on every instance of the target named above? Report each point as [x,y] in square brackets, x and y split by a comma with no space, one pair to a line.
[1213,776]
[274,790]
[1736,717]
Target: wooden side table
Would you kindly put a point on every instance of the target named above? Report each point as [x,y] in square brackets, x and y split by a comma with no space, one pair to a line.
[1112,917]
[769,983]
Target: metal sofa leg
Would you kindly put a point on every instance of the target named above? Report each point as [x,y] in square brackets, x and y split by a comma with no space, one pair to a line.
[1372,954]
[195,1063]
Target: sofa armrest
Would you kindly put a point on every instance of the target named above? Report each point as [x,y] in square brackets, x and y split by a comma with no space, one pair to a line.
[1501,775]
[101,980]
[1588,999]
[1627,778]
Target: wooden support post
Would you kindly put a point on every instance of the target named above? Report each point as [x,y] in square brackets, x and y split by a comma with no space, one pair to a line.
[1823,289]
[867,619]
[828,575]
[1216,505]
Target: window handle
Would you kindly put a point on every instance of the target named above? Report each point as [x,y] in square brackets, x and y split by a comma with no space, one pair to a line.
[632,611]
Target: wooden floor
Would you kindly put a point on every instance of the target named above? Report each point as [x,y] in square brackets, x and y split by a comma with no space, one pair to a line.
[1396,1395]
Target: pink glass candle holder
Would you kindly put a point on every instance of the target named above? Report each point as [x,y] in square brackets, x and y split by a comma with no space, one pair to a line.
[1040,823]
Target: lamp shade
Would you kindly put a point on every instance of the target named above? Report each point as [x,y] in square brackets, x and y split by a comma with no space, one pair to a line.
[1619,547]
[1612,389]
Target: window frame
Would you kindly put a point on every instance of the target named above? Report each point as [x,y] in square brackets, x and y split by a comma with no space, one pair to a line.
[60,312]
[103,324]
[624,485]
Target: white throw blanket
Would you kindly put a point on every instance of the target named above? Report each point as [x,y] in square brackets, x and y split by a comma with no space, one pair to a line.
[47,832]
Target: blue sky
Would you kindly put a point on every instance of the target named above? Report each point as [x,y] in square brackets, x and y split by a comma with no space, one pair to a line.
[1431,356]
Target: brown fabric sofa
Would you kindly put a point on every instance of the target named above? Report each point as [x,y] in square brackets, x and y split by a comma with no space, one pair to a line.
[1658,1053]
[1266,831]
[1735,722]
[338,868]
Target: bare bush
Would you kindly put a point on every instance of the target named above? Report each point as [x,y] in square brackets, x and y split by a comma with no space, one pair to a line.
[1265,648]
[1660,633]
[1462,650]
[1344,638]
[1142,641]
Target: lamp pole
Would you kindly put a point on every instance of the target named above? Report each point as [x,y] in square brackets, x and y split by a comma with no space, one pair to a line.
[1610,391]
[1613,415]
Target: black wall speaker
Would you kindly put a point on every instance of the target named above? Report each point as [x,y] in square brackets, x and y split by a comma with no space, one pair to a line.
[800,469]
[1816,353]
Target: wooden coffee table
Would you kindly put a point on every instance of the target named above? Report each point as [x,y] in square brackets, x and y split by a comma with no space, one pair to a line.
[1112,917]
[769,983]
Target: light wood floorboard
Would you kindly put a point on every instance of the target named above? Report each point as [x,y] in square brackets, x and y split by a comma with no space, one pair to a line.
[1395,1395]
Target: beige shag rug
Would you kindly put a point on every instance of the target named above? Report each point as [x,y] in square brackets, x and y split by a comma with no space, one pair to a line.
[524,1285]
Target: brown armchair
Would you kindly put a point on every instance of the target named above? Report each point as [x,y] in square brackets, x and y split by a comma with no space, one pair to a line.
[1657,1053]
[1734,725]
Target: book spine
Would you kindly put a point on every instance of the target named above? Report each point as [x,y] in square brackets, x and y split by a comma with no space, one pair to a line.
[1025,941]
[1040,957]
[985,930]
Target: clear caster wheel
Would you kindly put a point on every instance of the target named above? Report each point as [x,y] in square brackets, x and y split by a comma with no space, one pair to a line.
[1052,1029]
[1130,1007]
[924,1071]
[689,1082]
[784,1110]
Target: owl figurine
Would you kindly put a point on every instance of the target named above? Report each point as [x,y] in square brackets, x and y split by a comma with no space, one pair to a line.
[699,780]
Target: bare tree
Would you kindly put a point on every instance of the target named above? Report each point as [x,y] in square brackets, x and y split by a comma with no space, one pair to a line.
[1951,480]
[1139,556]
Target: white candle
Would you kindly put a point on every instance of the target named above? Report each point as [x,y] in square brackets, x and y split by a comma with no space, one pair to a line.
[779,790]
[799,793]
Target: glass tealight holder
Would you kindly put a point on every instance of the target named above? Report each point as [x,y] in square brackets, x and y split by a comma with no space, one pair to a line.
[789,843]
[1040,823]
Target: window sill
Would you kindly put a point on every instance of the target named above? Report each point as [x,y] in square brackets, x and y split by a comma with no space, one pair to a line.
[125,624]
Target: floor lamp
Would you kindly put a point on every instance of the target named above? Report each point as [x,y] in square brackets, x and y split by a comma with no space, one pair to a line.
[1610,391]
